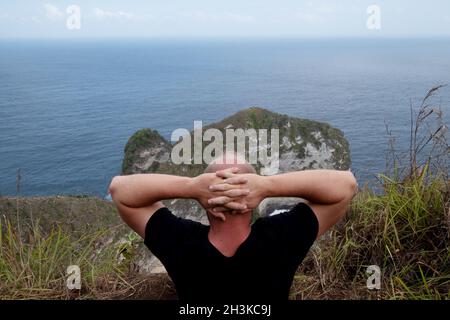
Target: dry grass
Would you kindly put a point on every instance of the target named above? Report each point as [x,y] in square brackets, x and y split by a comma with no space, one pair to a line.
[404,229]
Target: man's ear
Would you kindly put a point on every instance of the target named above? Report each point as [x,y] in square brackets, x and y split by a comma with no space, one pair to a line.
[216,214]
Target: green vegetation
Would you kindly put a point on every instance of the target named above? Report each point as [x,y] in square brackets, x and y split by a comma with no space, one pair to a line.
[292,127]
[36,251]
[140,140]
[403,226]
[37,268]
[405,231]
[147,144]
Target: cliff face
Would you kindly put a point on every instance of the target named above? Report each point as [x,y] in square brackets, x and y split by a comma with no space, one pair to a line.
[303,144]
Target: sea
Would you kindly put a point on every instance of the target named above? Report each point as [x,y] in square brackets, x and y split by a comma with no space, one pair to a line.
[68,107]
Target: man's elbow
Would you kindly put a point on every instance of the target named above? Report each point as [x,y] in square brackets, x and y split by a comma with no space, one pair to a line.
[352,185]
[114,187]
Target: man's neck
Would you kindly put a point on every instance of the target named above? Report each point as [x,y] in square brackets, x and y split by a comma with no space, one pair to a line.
[227,236]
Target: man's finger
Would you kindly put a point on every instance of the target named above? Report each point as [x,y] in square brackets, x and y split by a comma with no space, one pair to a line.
[236,193]
[218,201]
[233,169]
[235,206]
[221,209]
[236,180]
[229,170]
[218,214]
[225,174]
[231,210]
[221,187]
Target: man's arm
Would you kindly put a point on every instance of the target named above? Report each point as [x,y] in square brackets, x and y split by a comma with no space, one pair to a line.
[317,186]
[328,192]
[139,196]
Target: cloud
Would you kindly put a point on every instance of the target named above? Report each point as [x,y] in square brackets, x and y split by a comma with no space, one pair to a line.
[106,14]
[52,12]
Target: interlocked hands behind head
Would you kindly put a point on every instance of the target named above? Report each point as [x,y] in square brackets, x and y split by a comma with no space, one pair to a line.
[227,191]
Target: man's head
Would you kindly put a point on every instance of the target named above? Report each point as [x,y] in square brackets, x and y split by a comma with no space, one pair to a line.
[230,160]
[226,161]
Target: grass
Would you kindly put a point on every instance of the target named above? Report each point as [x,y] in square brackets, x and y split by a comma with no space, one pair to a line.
[40,237]
[403,227]
[404,230]
[35,267]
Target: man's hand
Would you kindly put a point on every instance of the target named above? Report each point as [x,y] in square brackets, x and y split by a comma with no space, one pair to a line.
[255,184]
[231,198]
[139,196]
[327,192]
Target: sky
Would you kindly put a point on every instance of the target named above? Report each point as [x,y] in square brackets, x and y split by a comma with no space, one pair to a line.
[223,18]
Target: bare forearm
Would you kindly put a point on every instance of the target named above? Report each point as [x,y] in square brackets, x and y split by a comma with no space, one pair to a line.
[140,190]
[317,186]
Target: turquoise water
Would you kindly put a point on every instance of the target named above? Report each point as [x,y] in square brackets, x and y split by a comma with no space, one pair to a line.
[67,108]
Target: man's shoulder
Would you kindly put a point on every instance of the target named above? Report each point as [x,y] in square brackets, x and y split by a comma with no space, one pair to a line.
[164,229]
[293,229]
[299,213]
[166,216]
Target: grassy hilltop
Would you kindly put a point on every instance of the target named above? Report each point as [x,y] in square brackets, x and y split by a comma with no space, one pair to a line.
[405,231]
[403,228]
[305,144]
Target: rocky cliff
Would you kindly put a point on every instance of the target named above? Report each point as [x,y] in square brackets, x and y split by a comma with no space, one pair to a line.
[303,144]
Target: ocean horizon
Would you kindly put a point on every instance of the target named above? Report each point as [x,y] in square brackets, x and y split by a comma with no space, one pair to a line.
[67,108]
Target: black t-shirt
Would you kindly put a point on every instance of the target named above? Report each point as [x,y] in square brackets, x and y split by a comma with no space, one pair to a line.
[262,268]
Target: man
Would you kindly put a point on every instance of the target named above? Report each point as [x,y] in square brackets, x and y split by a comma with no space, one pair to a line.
[232,259]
